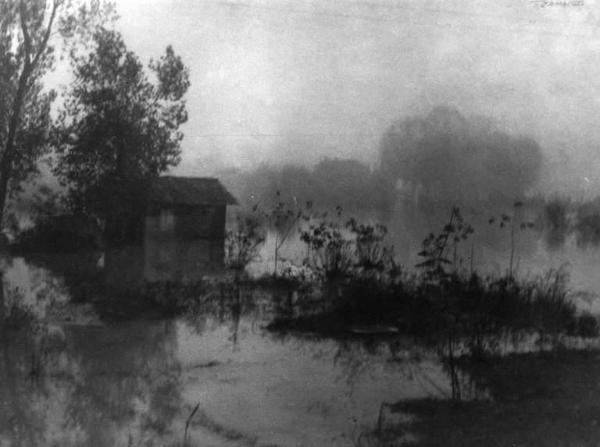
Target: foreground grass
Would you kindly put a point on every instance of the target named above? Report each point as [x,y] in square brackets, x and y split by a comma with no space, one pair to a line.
[478,311]
[537,399]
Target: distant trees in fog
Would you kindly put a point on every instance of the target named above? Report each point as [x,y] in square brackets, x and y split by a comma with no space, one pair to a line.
[346,183]
[449,157]
[562,217]
[441,158]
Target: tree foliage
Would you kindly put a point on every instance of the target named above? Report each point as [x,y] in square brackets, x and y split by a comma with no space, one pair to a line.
[348,183]
[29,32]
[453,158]
[118,129]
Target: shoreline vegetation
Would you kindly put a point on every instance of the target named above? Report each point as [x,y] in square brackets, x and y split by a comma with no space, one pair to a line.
[77,167]
[502,340]
[350,284]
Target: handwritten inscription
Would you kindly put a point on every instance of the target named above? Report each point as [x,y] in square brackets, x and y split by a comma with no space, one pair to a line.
[559,3]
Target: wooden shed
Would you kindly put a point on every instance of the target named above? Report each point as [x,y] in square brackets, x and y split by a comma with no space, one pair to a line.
[184,234]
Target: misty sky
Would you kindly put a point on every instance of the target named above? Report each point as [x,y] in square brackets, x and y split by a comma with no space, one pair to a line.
[278,81]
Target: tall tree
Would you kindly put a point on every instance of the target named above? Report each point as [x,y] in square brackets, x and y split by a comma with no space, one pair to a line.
[118,129]
[29,30]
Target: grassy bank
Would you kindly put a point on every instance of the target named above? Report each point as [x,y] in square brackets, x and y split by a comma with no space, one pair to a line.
[536,399]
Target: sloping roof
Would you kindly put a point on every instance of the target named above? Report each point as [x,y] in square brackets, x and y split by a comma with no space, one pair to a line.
[190,191]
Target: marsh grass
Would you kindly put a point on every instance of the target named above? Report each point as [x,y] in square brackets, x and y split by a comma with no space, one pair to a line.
[454,310]
[354,281]
[536,399]
[153,300]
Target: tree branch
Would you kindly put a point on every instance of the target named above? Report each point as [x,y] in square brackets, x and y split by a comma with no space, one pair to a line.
[44,42]
[26,36]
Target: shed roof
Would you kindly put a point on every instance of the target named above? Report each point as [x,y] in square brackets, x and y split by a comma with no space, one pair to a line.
[190,191]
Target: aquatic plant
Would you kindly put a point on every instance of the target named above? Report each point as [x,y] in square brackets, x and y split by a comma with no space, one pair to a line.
[372,255]
[242,242]
[284,218]
[454,310]
[187,423]
[512,222]
[435,247]
[330,251]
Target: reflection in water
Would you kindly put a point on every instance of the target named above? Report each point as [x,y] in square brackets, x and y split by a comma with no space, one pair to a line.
[126,382]
[32,287]
[68,379]
[215,375]
[100,386]
[114,385]
[290,391]
[70,382]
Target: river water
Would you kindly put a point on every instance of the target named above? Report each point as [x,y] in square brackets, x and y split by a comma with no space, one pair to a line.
[69,379]
[217,377]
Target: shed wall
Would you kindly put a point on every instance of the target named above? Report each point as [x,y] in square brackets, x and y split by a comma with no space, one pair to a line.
[189,248]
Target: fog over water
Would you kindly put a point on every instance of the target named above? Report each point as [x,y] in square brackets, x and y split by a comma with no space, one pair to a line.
[278,82]
[463,135]
[396,111]
[428,164]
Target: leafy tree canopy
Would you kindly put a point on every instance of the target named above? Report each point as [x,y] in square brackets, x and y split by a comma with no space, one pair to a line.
[29,32]
[118,129]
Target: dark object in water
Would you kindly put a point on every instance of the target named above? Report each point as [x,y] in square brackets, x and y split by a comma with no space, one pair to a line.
[374,329]
[210,364]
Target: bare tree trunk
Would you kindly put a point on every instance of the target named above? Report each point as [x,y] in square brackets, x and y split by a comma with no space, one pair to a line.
[512,250]
[276,253]
[9,148]
[472,260]
[2,304]
[454,381]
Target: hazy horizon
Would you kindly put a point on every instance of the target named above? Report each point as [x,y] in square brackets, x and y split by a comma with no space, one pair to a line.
[294,82]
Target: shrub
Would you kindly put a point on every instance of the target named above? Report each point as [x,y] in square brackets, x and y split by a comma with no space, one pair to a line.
[330,250]
[587,326]
[242,242]
[59,234]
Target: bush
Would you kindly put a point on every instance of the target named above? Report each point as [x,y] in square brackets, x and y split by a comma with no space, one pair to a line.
[243,241]
[59,234]
[362,285]
[587,326]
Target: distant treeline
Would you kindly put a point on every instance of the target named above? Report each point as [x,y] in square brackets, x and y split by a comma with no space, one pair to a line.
[442,158]
[565,217]
[332,183]
[427,165]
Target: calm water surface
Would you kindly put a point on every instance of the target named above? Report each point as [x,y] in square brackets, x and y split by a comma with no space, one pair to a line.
[72,380]
[219,378]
